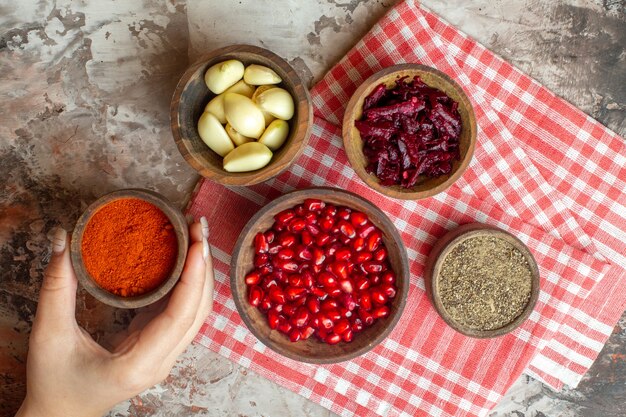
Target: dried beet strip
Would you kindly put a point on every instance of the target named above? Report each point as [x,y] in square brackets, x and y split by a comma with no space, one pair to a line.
[408,131]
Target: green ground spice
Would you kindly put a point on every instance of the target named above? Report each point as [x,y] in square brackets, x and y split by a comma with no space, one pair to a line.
[485,283]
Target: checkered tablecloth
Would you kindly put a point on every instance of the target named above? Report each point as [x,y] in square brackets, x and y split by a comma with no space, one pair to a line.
[542,170]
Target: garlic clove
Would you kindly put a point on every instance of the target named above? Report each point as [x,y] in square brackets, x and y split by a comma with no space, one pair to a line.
[268,117]
[277,102]
[260,75]
[275,134]
[237,138]
[223,75]
[240,87]
[213,134]
[247,157]
[216,108]
[243,115]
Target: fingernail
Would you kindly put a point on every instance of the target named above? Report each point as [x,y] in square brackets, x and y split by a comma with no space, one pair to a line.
[205,227]
[58,239]
[205,248]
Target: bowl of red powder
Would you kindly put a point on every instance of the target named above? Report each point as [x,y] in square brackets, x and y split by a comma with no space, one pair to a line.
[129,247]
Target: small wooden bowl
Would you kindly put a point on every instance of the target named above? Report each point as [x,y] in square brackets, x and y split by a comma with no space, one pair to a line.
[182,235]
[425,187]
[450,241]
[192,95]
[312,350]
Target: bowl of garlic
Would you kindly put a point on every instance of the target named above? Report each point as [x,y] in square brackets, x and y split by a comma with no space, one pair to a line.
[240,115]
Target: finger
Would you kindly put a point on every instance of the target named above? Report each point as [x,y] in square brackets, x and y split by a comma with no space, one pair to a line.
[162,335]
[57,298]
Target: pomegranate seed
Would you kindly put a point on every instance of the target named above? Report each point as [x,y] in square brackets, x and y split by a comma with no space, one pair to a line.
[347,336]
[374,279]
[325,321]
[284,216]
[285,254]
[322,239]
[346,285]
[260,243]
[295,335]
[344,213]
[332,339]
[297,225]
[307,332]
[268,282]
[334,314]
[366,230]
[340,269]
[265,269]
[389,290]
[318,256]
[286,265]
[372,267]
[381,312]
[300,210]
[286,239]
[293,293]
[277,295]
[306,238]
[296,280]
[389,277]
[378,296]
[366,317]
[326,223]
[362,284]
[343,254]
[358,218]
[332,249]
[274,248]
[361,257]
[321,333]
[358,244]
[289,309]
[266,304]
[299,302]
[301,318]
[307,278]
[319,292]
[253,278]
[373,241]
[313,304]
[329,304]
[330,210]
[335,292]
[313,204]
[357,326]
[313,229]
[304,253]
[380,255]
[261,259]
[341,326]
[270,235]
[315,322]
[326,279]
[255,295]
[365,301]
[316,268]
[310,218]
[280,276]
[273,319]
[347,229]
[284,326]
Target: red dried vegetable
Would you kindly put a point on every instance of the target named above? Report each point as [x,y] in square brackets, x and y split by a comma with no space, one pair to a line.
[409,130]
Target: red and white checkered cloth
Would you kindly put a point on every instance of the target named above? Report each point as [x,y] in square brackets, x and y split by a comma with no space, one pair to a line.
[542,170]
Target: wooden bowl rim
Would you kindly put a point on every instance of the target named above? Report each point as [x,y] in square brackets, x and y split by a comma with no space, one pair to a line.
[174,215]
[454,238]
[348,133]
[283,162]
[321,193]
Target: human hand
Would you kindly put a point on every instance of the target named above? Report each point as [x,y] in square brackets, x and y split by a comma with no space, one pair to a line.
[69,374]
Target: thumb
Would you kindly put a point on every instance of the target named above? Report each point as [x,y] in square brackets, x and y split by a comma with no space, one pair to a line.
[57,298]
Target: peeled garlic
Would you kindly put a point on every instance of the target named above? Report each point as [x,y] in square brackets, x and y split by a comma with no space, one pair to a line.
[275,134]
[236,137]
[243,115]
[277,102]
[216,108]
[260,75]
[223,75]
[242,88]
[247,157]
[268,117]
[213,134]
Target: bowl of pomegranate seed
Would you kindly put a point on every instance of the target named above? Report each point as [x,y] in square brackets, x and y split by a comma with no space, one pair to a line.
[320,275]
[409,131]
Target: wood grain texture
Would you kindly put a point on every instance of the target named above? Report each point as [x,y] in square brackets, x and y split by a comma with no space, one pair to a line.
[312,350]
[192,95]
[451,240]
[179,223]
[425,187]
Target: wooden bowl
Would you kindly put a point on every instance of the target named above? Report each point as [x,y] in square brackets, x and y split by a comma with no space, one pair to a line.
[192,95]
[182,235]
[312,350]
[425,187]
[450,241]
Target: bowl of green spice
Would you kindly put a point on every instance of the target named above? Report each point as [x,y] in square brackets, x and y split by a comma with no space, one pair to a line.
[483,281]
